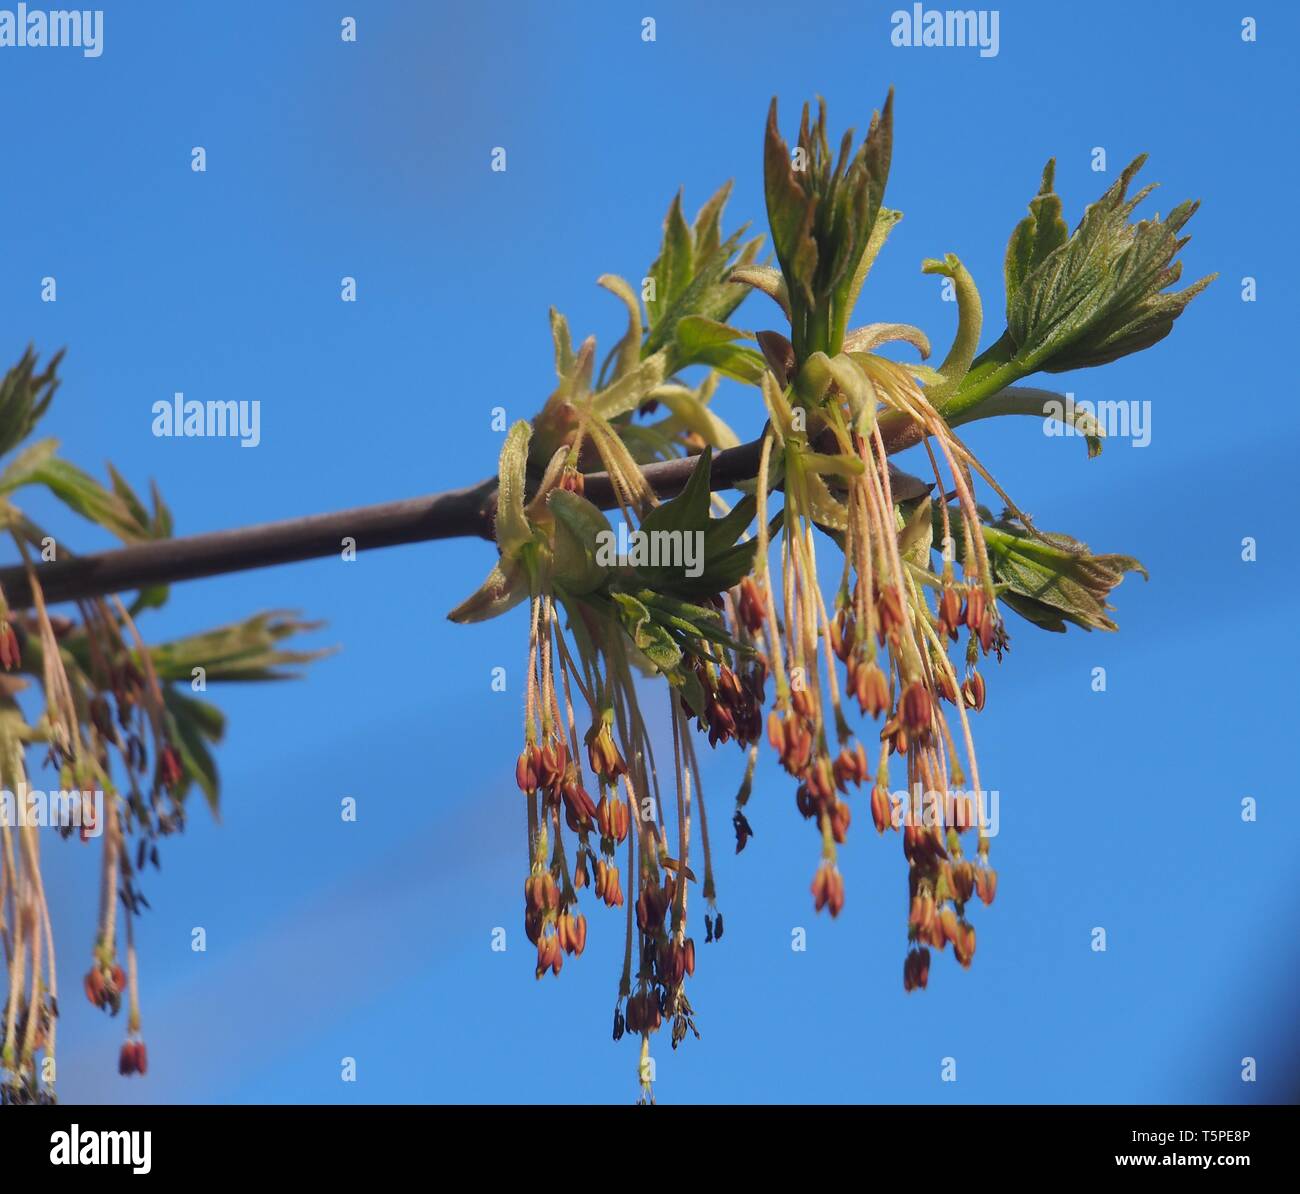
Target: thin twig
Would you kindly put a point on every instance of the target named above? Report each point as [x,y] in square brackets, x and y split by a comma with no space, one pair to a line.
[457,513]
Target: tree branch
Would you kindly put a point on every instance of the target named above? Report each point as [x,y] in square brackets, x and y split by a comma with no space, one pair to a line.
[453,514]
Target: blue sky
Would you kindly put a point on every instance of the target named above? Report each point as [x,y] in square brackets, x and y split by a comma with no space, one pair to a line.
[371,940]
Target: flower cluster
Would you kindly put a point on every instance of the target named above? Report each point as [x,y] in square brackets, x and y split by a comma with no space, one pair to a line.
[926,572]
[126,743]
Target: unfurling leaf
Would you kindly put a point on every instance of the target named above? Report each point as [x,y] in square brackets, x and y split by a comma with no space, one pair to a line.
[1058,581]
[689,276]
[701,341]
[1100,294]
[822,215]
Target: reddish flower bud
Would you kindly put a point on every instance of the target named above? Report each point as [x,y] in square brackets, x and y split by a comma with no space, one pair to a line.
[916,710]
[845,769]
[10,655]
[949,612]
[603,755]
[835,901]
[610,889]
[841,816]
[916,970]
[525,775]
[872,690]
[751,606]
[963,945]
[820,886]
[922,912]
[880,811]
[547,947]
[944,686]
[828,889]
[963,881]
[672,963]
[126,1059]
[579,811]
[548,775]
[889,612]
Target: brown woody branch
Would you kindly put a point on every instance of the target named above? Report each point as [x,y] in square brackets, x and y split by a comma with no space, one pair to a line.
[453,514]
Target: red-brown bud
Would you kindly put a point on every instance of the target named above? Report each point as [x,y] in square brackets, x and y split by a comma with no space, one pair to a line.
[126,1059]
[841,816]
[10,655]
[525,775]
[963,881]
[949,612]
[880,811]
[916,710]
[872,690]
[916,970]
[828,889]
[752,610]
[963,945]
[889,612]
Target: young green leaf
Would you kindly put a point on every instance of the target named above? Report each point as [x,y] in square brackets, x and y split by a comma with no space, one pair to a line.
[1098,295]
[1054,582]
